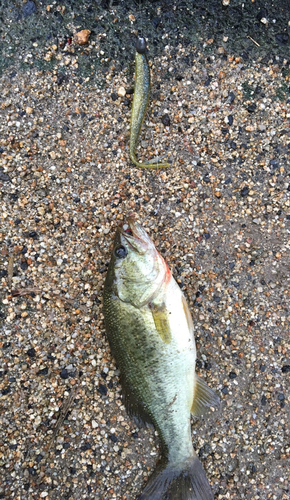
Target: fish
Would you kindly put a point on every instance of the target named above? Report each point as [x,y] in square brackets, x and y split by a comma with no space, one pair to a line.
[151,336]
[140,102]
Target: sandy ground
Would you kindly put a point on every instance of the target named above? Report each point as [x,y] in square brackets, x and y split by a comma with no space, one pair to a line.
[220,216]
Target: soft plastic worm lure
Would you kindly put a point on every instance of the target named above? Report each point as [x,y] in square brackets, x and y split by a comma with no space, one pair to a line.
[140,102]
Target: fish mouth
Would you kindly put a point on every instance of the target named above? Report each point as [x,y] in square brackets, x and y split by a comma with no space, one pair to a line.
[133,234]
[129,227]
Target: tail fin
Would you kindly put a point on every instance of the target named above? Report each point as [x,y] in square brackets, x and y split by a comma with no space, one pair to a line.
[185,481]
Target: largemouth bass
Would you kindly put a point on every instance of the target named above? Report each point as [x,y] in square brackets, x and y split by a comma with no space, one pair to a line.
[150,331]
[140,103]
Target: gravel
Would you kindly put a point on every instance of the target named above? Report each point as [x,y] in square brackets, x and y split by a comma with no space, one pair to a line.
[220,216]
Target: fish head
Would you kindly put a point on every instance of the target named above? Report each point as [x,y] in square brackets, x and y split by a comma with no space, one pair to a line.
[137,270]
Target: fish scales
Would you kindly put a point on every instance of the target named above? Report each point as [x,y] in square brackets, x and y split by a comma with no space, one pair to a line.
[157,370]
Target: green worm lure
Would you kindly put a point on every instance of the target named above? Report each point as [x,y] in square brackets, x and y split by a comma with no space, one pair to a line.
[140,102]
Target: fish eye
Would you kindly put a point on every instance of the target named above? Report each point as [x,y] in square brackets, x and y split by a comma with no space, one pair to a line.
[120,252]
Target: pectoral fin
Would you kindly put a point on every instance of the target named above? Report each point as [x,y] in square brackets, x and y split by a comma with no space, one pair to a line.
[161,319]
[203,399]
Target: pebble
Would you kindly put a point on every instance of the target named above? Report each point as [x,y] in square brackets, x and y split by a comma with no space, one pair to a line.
[82,37]
[121,92]
[245,191]
[166,120]
[28,8]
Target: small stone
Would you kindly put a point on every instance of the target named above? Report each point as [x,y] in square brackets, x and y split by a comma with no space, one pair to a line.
[37,421]
[252,389]
[231,97]
[43,371]
[233,465]
[262,14]
[4,177]
[263,400]
[60,78]
[33,235]
[64,373]
[29,110]
[86,446]
[31,352]
[41,210]
[82,37]
[102,389]
[6,391]
[252,107]
[29,8]
[282,38]
[24,265]
[286,369]
[166,120]
[244,191]
[113,438]
[121,92]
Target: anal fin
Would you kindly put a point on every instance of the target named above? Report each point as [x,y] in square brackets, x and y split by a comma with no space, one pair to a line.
[204,398]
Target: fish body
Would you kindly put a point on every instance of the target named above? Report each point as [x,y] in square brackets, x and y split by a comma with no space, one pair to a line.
[140,103]
[150,331]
